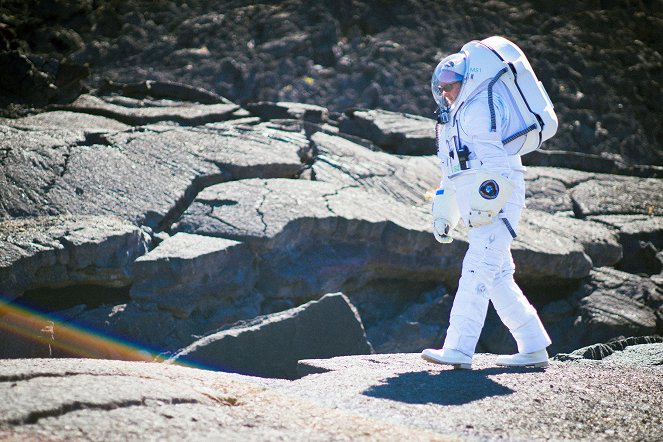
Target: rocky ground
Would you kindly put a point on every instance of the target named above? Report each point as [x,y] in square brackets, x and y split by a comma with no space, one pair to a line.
[377,397]
[158,202]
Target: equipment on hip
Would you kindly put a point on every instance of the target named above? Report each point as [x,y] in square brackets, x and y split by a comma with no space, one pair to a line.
[446,214]
[490,192]
[498,59]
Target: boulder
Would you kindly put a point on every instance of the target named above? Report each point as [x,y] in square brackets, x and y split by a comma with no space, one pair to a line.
[617,195]
[271,345]
[187,272]
[62,251]
[147,177]
[411,180]
[182,113]
[394,132]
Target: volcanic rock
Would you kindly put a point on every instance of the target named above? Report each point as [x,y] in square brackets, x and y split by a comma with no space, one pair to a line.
[271,345]
[61,251]
[394,132]
[178,112]
[186,272]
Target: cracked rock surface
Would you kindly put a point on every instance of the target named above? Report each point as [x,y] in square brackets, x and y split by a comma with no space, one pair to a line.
[371,397]
[259,214]
[60,251]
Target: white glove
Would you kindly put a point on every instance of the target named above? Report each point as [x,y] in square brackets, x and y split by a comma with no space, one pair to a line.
[446,214]
[441,229]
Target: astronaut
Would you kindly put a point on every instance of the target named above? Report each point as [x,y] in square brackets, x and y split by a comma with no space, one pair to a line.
[482,184]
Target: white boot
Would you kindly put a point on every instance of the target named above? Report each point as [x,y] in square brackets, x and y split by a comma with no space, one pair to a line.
[535,359]
[448,357]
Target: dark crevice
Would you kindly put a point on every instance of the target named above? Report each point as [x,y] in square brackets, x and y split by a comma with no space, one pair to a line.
[65,164]
[197,185]
[95,138]
[36,416]
[48,300]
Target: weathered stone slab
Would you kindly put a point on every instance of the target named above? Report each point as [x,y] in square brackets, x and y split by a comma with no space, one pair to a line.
[30,163]
[286,110]
[617,195]
[314,236]
[66,120]
[541,251]
[610,163]
[609,305]
[64,250]
[271,345]
[163,89]
[141,176]
[186,272]
[184,113]
[599,242]
[393,131]
[410,180]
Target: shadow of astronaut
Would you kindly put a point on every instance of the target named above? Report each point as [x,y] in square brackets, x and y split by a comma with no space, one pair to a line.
[447,387]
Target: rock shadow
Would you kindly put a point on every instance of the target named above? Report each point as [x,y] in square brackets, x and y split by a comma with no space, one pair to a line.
[448,387]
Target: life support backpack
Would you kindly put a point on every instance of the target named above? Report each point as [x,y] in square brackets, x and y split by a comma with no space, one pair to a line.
[497,59]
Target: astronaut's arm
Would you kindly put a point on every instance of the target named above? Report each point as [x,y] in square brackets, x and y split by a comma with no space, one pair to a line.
[492,188]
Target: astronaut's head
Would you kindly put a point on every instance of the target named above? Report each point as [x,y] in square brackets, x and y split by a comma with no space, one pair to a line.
[447,79]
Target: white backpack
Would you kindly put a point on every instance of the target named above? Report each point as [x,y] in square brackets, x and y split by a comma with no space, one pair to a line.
[497,59]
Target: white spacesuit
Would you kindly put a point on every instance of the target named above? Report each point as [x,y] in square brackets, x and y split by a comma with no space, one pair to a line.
[481,131]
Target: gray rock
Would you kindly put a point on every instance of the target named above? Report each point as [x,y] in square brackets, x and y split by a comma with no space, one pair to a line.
[608,315]
[68,120]
[421,325]
[313,236]
[163,89]
[611,163]
[641,237]
[188,272]
[411,180]
[642,355]
[393,131]
[150,327]
[183,113]
[600,243]
[271,345]
[610,304]
[147,177]
[286,110]
[603,351]
[359,236]
[542,252]
[63,251]
[617,195]
[30,163]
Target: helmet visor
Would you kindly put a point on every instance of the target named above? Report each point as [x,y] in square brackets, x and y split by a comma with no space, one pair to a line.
[449,70]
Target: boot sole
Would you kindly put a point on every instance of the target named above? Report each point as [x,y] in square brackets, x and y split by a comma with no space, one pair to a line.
[456,366]
[533,365]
